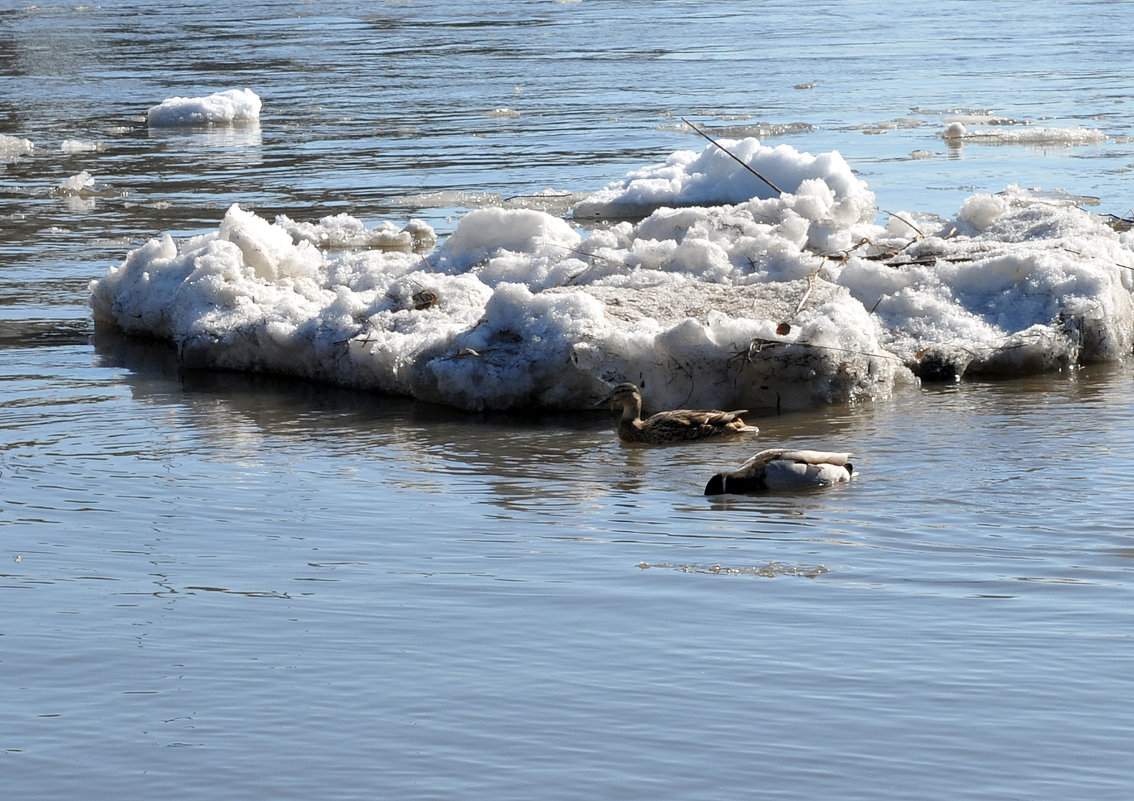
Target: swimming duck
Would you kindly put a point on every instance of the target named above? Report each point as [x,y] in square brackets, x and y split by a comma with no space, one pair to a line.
[677,425]
[783,469]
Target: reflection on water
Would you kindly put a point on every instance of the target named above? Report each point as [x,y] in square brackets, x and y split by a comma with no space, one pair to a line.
[369,579]
[986,453]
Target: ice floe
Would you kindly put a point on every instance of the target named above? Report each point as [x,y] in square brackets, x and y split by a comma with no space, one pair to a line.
[82,183]
[13,147]
[693,278]
[957,132]
[221,108]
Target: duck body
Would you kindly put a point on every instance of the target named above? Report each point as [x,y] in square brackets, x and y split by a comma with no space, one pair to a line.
[783,469]
[677,425]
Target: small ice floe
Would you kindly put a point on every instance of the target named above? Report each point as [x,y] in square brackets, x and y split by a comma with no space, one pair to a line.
[13,147]
[222,108]
[970,116]
[783,469]
[956,132]
[81,184]
[75,146]
[79,192]
[900,123]
[758,130]
[675,425]
[770,570]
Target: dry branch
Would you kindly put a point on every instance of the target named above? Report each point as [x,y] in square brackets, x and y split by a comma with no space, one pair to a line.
[734,157]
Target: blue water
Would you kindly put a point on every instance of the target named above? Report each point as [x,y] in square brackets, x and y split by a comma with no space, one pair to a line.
[219,585]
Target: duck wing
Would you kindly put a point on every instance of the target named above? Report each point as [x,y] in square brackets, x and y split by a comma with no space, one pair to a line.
[782,474]
[677,425]
[816,457]
[685,424]
[761,459]
[700,417]
[799,469]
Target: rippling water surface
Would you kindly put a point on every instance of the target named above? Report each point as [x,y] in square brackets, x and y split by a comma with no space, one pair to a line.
[230,585]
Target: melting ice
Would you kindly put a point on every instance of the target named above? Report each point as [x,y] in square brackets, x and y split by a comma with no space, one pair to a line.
[693,278]
[221,108]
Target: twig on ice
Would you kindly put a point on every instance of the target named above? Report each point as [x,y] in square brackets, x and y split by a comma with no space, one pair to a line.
[738,160]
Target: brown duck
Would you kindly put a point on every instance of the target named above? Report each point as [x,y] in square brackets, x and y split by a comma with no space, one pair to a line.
[677,425]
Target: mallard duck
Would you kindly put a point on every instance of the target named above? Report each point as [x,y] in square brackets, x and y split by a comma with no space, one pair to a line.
[783,469]
[677,425]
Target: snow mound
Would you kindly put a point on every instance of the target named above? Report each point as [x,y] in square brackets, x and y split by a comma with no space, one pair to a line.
[789,301]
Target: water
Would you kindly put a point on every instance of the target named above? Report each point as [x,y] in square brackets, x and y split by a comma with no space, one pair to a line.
[228,584]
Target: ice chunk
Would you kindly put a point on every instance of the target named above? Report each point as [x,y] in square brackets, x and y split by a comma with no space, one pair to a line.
[221,108]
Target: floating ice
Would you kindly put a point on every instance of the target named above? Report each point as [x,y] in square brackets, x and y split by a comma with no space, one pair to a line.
[12,147]
[957,132]
[74,146]
[221,108]
[748,300]
[734,129]
[83,183]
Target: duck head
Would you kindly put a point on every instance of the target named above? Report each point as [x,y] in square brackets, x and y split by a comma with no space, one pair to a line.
[726,484]
[624,395]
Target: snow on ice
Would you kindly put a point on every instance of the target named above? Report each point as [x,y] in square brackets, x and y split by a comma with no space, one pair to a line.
[222,108]
[692,278]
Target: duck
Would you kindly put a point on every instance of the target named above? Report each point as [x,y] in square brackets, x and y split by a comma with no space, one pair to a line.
[783,469]
[676,425]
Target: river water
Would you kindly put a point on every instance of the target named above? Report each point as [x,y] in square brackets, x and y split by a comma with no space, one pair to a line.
[257,588]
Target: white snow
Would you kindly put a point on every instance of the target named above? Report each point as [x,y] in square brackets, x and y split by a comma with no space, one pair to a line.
[713,177]
[724,294]
[221,108]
